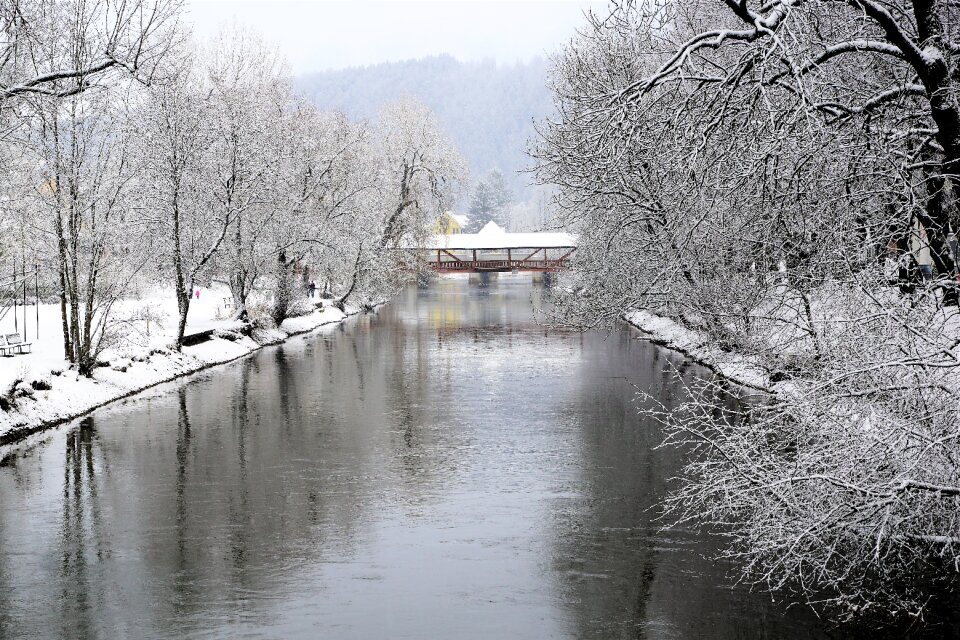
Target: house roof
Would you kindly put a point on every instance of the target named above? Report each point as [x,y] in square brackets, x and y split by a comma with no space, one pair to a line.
[491,228]
[492,236]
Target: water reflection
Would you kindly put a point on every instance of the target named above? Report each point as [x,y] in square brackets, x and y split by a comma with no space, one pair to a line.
[79,531]
[444,468]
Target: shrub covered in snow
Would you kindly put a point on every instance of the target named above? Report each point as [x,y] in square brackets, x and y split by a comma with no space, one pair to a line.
[267,336]
[299,308]
[260,315]
[23,389]
[226,334]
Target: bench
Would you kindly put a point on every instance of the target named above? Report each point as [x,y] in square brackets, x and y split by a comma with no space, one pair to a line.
[13,342]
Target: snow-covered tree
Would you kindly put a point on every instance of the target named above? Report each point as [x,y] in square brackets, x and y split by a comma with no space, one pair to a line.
[62,47]
[249,93]
[52,49]
[490,201]
[87,168]
[328,184]
[418,173]
[746,170]
[187,229]
[422,170]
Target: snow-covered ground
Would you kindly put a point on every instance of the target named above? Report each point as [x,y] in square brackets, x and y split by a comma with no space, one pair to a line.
[140,360]
[738,368]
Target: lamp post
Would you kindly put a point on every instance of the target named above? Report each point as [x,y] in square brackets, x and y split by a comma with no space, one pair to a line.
[36,293]
[13,285]
[23,273]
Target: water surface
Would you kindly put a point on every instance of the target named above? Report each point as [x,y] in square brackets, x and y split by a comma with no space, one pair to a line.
[444,468]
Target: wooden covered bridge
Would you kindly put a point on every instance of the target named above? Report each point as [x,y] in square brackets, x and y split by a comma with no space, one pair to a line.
[495,250]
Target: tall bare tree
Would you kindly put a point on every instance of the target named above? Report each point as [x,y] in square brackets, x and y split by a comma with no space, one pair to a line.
[177,134]
[88,167]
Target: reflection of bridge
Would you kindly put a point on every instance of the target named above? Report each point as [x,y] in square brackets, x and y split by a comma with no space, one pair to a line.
[495,250]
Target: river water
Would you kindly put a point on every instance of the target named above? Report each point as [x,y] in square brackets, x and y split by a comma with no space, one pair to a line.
[443,468]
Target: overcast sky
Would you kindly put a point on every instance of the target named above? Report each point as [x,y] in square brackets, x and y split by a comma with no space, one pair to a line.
[332,34]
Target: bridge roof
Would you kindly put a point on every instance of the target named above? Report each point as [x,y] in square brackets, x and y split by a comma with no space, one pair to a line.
[493,237]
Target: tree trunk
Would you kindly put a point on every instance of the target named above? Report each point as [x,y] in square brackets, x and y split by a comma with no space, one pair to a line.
[284,290]
[394,224]
[183,295]
[342,302]
[62,273]
[937,73]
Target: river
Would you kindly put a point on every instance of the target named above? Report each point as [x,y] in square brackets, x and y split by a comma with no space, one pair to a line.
[442,468]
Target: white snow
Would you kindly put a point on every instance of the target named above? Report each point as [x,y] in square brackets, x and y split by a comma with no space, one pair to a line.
[738,368]
[491,228]
[492,236]
[459,218]
[137,362]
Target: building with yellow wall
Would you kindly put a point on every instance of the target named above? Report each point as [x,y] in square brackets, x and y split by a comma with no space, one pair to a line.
[449,223]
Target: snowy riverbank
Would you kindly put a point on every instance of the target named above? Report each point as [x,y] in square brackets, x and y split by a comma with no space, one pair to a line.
[36,396]
[735,367]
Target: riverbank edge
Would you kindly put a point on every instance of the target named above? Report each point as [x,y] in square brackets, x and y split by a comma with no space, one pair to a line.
[48,414]
[737,368]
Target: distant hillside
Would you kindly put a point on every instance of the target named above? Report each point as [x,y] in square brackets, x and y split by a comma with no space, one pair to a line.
[488,109]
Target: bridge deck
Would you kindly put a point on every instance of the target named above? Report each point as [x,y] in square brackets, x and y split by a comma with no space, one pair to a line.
[530,259]
[494,266]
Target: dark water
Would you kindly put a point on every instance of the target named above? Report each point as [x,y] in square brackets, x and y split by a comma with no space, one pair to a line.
[444,468]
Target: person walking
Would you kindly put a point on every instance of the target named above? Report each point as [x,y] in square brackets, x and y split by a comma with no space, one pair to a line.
[313,288]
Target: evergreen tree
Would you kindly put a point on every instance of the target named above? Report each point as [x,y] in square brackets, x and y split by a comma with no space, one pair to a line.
[500,193]
[490,200]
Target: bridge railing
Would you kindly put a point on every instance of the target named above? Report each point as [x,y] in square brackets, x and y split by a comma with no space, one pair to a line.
[499,265]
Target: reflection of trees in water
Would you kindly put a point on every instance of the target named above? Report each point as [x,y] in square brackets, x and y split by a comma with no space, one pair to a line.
[358,364]
[407,391]
[224,487]
[80,539]
[184,578]
[619,574]
[271,490]
[425,445]
[21,474]
[287,390]
[240,511]
[483,314]
[604,557]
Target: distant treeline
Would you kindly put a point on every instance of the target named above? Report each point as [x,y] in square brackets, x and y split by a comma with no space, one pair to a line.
[487,108]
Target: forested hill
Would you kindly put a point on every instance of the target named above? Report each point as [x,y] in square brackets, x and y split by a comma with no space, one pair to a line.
[488,109]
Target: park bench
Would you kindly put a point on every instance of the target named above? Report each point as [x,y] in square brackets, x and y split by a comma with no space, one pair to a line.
[13,342]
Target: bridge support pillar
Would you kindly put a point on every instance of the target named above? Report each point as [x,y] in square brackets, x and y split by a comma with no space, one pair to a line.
[482,278]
